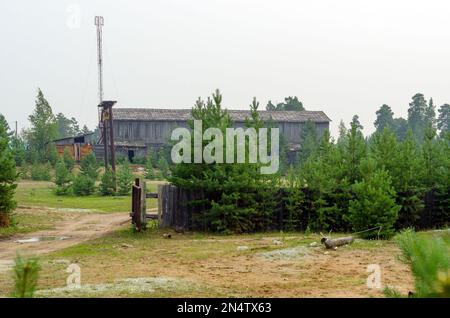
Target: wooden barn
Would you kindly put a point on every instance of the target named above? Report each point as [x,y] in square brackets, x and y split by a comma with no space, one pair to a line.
[78,146]
[138,129]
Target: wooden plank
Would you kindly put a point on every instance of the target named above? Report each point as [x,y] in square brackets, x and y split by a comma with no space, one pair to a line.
[151,195]
[159,203]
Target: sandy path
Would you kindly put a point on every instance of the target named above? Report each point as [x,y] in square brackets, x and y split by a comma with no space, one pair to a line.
[75,228]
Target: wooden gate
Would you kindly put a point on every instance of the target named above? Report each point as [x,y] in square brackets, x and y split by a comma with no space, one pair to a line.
[174,208]
[138,205]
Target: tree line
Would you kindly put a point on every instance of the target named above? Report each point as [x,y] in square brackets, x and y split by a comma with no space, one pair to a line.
[387,181]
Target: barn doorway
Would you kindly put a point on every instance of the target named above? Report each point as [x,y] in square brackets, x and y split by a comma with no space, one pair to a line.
[130,155]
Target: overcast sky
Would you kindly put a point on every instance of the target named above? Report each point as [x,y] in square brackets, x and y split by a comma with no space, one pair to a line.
[343,57]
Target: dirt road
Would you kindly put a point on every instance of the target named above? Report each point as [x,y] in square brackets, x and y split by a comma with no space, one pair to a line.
[72,229]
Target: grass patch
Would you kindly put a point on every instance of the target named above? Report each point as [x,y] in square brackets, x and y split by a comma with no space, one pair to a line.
[41,194]
[30,221]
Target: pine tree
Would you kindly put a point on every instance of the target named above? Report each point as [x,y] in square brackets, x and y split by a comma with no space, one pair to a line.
[374,204]
[124,179]
[43,131]
[385,118]
[26,275]
[354,150]
[325,182]
[308,142]
[8,177]
[384,150]
[18,150]
[149,170]
[443,121]
[417,113]
[238,198]
[63,177]
[108,183]
[406,181]
[163,166]
[89,166]
[430,114]
[432,159]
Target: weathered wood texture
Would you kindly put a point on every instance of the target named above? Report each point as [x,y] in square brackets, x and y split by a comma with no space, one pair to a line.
[138,205]
[333,243]
[175,208]
[158,132]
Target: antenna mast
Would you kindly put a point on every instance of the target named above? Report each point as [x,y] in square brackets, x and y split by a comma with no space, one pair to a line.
[105,114]
[99,23]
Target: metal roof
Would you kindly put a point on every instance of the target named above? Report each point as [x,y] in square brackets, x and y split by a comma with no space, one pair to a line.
[152,114]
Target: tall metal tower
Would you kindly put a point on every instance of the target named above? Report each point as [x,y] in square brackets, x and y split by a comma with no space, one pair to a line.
[99,23]
[105,115]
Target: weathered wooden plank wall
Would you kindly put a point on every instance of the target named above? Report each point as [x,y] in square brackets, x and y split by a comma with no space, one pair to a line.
[174,206]
[158,132]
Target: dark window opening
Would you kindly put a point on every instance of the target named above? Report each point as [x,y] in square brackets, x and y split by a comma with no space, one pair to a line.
[130,155]
[79,140]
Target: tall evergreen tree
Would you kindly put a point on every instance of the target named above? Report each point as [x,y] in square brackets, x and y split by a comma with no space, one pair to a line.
[430,114]
[374,204]
[385,118]
[43,131]
[354,150]
[8,177]
[406,182]
[400,127]
[443,121]
[384,150]
[417,114]
[308,144]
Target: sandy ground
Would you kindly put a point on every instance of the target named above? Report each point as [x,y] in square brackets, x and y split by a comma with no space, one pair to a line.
[302,270]
[73,229]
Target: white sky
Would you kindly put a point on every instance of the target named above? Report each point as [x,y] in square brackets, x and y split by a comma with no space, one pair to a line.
[343,57]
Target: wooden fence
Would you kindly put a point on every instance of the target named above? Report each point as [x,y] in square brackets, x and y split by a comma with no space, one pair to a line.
[175,207]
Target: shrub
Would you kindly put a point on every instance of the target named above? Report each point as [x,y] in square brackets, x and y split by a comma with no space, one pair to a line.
[89,166]
[26,274]
[108,183]
[139,160]
[429,261]
[121,158]
[63,178]
[83,185]
[149,171]
[124,179]
[40,172]
[163,167]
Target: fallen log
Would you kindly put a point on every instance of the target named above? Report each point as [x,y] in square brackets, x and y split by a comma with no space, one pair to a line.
[333,243]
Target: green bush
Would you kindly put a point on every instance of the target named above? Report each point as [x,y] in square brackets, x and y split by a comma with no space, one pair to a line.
[83,185]
[149,170]
[108,183]
[139,160]
[26,274]
[124,179]
[163,167]
[63,178]
[429,260]
[121,158]
[89,166]
[40,172]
